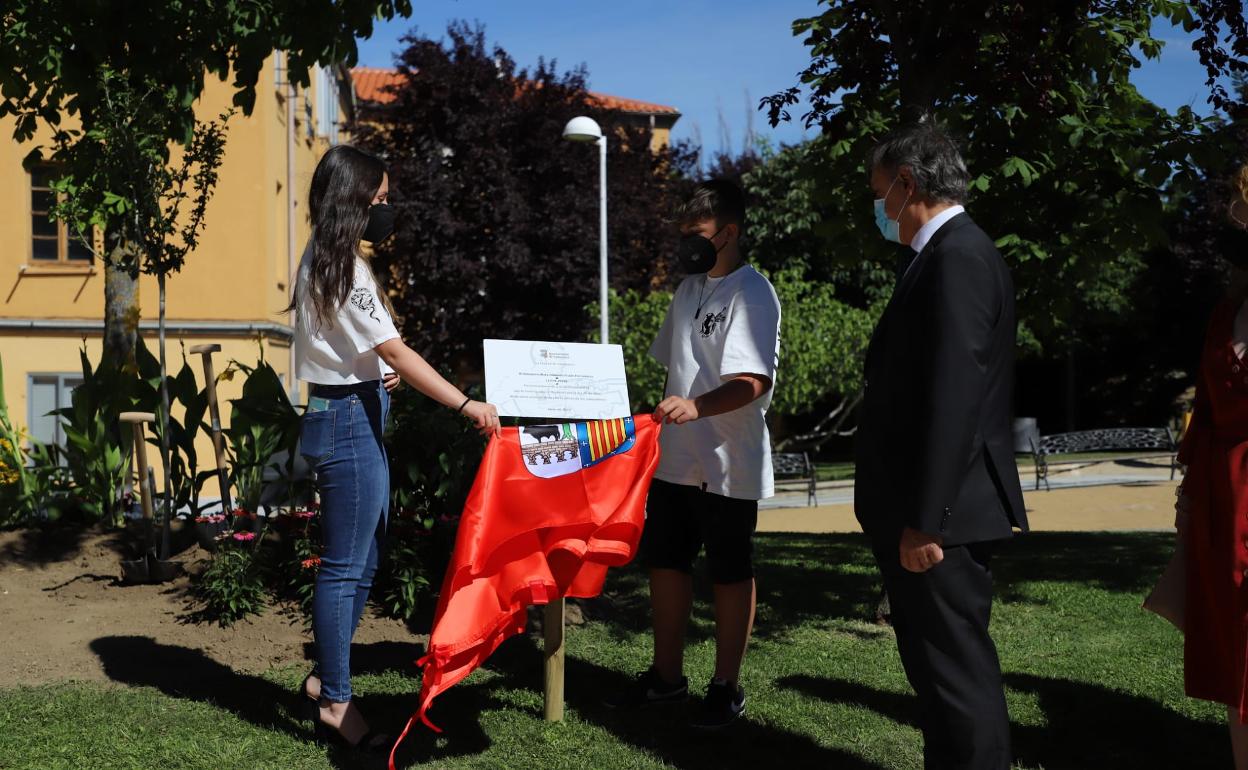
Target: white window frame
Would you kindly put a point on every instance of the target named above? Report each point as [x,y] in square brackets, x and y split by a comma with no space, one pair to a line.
[64,399]
[327,104]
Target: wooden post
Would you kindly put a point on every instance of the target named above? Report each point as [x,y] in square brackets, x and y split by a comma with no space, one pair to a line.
[552,654]
[137,419]
[552,627]
[214,411]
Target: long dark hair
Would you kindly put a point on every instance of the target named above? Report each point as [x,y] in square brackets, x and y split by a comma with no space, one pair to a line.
[343,186]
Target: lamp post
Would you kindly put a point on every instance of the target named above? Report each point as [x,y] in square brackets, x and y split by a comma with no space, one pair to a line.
[579,129]
[583,129]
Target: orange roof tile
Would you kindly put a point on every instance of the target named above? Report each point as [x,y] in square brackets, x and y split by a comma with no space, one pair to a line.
[632,105]
[371,85]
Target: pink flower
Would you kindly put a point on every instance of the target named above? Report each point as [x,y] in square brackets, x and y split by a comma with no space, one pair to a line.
[311,563]
[244,537]
[239,513]
[305,514]
[214,518]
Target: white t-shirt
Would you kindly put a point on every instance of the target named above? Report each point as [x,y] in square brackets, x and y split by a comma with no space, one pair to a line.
[736,331]
[341,352]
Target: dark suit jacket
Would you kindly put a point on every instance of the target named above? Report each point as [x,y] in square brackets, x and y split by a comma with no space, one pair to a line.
[934,444]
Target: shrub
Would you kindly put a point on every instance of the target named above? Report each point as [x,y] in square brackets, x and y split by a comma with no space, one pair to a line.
[298,557]
[404,574]
[232,587]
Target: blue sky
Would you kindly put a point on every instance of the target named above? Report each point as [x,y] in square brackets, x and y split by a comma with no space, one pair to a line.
[700,56]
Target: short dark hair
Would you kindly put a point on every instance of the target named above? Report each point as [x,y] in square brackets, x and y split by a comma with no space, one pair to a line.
[932,157]
[717,199]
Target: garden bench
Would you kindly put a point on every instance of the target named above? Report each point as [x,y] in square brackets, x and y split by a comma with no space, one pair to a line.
[795,468]
[1104,440]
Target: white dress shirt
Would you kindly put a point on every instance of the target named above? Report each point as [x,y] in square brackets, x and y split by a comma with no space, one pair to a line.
[926,232]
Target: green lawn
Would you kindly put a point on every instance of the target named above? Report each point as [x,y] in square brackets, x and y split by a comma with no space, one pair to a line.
[1093,682]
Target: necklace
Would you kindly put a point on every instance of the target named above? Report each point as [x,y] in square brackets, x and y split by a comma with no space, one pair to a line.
[698,313]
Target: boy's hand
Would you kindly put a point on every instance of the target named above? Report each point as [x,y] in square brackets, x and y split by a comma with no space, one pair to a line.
[675,409]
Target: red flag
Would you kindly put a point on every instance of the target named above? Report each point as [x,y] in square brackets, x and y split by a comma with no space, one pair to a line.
[551,508]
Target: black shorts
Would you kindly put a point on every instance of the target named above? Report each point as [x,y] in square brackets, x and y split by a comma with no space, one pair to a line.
[681,519]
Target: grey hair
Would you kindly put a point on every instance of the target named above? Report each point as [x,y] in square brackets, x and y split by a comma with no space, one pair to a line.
[932,157]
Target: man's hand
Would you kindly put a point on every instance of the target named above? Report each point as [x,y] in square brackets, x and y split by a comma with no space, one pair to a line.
[675,409]
[391,382]
[920,551]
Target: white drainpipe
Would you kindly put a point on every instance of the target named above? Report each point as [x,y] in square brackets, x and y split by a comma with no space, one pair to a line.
[292,269]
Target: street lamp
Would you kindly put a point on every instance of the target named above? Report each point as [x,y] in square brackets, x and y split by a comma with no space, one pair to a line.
[583,129]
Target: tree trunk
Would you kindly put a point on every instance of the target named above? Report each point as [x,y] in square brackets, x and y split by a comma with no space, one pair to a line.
[121,325]
[121,306]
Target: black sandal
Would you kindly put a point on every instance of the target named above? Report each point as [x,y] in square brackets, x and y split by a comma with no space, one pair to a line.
[371,742]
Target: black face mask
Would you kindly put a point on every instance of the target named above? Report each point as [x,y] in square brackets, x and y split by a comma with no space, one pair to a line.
[380,222]
[697,253]
[1233,245]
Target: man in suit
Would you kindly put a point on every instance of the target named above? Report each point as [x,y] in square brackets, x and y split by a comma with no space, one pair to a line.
[936,485]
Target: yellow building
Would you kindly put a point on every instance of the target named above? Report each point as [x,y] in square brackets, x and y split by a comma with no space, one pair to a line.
[234,286]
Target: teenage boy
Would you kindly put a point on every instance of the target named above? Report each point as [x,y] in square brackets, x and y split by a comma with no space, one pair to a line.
[720,343]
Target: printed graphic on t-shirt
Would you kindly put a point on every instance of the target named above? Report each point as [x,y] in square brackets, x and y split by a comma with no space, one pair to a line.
[713,320]
[363,299]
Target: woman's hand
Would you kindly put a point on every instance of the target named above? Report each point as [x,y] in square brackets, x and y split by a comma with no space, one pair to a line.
[391,382]
[1181,506]
[484,417]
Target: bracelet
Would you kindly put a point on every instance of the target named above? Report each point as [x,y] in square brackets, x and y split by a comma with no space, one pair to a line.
[461,406]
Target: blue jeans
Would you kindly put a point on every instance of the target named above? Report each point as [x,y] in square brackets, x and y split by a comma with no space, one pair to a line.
[343,443]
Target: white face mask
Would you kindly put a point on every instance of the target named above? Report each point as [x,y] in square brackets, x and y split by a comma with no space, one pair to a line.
[889,228]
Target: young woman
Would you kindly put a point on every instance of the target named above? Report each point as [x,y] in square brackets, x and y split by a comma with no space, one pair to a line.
[346,348]
[1213,499]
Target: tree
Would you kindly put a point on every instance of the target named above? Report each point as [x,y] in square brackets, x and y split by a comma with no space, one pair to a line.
[151,200]
[1073,171]
[823,344]
[62,59]
[789,218]
[498,230]
[1221,24]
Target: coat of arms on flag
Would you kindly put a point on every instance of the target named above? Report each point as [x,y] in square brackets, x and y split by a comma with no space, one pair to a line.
[556,450]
